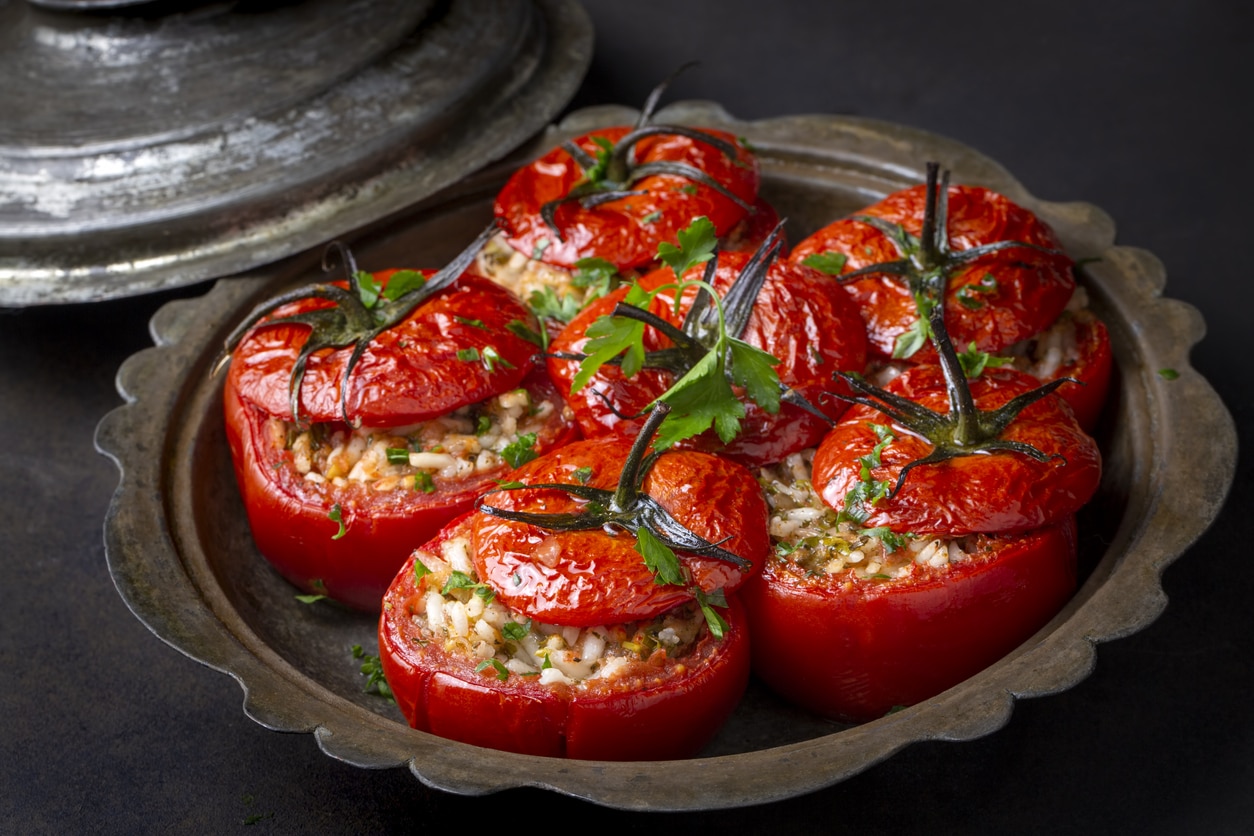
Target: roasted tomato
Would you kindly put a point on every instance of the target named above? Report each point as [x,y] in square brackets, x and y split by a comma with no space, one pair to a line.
[464,666]
[799,317]
[999,490]
[591,576]
[381,457]
[1076,346]
[852,623]
[626,230]
[1004,295]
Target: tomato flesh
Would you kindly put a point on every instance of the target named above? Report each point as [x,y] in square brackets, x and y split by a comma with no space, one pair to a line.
[426,366]
[853,649]
[289,515]
[668,713]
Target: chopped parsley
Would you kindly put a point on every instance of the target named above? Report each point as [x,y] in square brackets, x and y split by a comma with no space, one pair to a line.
[659,558]
[545,303]
[969,295]
[336,515]
[831,263]
[372,669]
[521,450]
[502,672]
[460,580]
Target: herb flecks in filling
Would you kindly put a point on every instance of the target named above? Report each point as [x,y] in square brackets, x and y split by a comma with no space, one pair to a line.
[812,537]
[497,639]
[468,441]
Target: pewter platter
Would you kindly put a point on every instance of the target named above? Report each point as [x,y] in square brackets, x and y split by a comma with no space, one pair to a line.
[142,150]
[181,554]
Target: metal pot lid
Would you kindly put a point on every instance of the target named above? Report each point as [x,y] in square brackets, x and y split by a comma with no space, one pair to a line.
[147,148]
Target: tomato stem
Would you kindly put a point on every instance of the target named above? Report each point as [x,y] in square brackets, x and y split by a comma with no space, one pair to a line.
[357,315]
[627,507]
[611,173]
[926,265]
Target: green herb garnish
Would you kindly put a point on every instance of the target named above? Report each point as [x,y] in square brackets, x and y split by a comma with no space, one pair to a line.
[336,515]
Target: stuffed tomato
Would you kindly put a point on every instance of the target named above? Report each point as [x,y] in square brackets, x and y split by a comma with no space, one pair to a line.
[347,457]
[891,621]
[804,327]
[591,213]
[1008,290]
[586,610]
[465,666]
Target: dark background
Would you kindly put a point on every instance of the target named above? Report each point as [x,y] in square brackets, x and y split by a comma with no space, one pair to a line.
[1140,108]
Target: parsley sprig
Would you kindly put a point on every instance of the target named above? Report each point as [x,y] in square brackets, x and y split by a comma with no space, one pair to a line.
[707,356]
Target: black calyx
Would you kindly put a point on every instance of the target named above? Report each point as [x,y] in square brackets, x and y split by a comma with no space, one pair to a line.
[612,171]
[358,315]
[627,507]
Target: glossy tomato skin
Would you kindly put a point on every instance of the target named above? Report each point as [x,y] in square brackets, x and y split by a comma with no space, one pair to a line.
[1093,368]
[1032,287]
[289,515]
[627,231]
[853,649]
[408,374]
[800,317]
[990,493]
[587,578]
[671,715]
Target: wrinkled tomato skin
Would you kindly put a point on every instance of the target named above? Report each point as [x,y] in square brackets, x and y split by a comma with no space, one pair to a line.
[1000,492]
[408,374]
[800,318]
[853,650]
[672,717]
[1033,287]
[588,578]
[289,518]
[618,231]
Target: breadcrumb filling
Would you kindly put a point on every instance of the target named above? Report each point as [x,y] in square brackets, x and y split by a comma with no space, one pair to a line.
[466,442]
[811,536]
[453,608]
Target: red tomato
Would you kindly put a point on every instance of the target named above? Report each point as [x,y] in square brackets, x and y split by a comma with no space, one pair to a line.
[852,648]
[990,493]
[1030,291]
[800,317]
[1092,367]
[670,710]
[626,231]
[586,578]
[409,373]
[290,515]
[748,235]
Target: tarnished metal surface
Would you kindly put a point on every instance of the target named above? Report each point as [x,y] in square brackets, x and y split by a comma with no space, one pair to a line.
[182,557]
[141,151]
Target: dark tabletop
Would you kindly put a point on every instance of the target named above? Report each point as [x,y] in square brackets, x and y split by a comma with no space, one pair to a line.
[1140,108]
